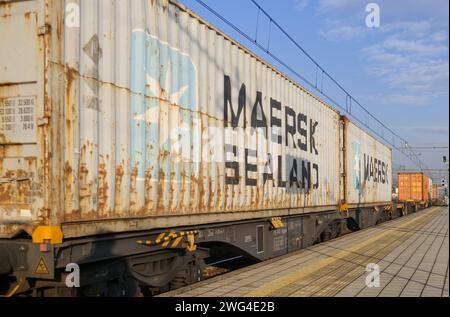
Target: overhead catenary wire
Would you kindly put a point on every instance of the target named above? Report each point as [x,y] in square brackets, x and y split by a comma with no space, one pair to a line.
[428,147]
[403,147]
[324,72]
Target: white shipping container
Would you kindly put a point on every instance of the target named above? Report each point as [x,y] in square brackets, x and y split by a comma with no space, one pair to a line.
[369,168]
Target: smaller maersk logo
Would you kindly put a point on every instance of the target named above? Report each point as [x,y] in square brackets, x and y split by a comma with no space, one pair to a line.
[163,82]
[160,72]
[357,184]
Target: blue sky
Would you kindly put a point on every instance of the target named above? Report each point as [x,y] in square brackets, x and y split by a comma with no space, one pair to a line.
[399,71]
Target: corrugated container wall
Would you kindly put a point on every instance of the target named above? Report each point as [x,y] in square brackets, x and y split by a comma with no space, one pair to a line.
[426,188]
[368,166]
[143,112]
[413,187]
[430,189]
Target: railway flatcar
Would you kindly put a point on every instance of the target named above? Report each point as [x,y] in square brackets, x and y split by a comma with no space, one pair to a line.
[137,141]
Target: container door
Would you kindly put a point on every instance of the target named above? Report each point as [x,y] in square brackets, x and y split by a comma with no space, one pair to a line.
[404,187]
[416,186]
[20,66]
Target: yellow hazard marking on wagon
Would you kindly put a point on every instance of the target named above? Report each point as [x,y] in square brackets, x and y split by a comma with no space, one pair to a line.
[176,242]
[160,236]
[165,244]
[277,223]
[173,239]
[268,288]
[41,267]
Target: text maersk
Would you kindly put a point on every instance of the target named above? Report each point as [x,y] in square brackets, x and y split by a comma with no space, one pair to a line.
[375,170]
[299,133]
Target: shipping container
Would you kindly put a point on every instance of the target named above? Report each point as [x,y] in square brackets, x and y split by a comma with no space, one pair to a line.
[130,115]
[368,168]
[434,192]
[430,188]
[413,186]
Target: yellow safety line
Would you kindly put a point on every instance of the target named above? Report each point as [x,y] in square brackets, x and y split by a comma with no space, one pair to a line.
[281,282]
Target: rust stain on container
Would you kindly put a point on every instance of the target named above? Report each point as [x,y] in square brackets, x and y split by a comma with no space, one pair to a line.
[133,190]
[103,190]
[160,195]
[15,188]
[68,180]
[85,189]
[148,190]
[118,187]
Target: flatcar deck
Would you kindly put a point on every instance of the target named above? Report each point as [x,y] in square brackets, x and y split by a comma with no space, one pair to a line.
[412,253]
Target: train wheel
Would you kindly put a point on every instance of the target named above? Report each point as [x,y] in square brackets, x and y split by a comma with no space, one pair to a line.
[190,274]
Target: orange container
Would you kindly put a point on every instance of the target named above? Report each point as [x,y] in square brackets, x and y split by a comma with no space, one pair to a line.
[413,186]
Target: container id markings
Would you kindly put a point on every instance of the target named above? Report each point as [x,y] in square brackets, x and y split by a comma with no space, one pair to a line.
[17,120]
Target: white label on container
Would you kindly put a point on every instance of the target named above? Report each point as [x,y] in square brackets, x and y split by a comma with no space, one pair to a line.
[17,120]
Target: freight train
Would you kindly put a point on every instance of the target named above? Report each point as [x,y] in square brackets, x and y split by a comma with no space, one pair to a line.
[439,195]
[138,141]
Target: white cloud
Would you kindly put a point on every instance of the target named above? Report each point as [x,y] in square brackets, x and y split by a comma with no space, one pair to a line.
[414,46]
[411,50]
[301,4]
[418,28]
[439,37]
[430,77]
[390,9]
[397,99]
[423,76]
[328,5]
[428,130]
[405,99]
[342,32]
[412,64]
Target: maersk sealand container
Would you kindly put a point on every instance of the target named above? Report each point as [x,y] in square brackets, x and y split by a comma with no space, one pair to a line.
[131,115]
[368,168]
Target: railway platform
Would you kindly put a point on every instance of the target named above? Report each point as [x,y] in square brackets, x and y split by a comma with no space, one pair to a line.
[408,256]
